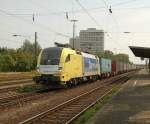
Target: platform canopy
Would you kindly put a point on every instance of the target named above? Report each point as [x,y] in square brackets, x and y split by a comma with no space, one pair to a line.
[143,52]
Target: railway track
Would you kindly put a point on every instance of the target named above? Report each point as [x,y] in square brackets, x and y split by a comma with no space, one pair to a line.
[71,109]
[21,99]
[14,100]
[15,76]
[14,81]
[2,79]
[13,87]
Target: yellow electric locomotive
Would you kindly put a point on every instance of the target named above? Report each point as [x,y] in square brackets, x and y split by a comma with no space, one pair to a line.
[65,66]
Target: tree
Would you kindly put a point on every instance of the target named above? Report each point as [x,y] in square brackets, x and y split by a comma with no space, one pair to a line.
[122,57]
[21,59]
[106,54]
[6,63]
[118,57]
[29,47]
[24,62]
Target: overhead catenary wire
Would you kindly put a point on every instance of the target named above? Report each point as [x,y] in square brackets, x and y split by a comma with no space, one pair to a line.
[37,4]
[111,13]
[90,16]
[63,12]
[39,25]
[124,3]
[77,11]
[97,23]
[109,9]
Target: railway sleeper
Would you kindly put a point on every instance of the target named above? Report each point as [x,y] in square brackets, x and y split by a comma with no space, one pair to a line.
[55,116]
[74,108]
[71,109]
[90,99]
[75,105]
[50,117]
[66,114]
[39,122]
[47,121]
[58,118]
[82,102]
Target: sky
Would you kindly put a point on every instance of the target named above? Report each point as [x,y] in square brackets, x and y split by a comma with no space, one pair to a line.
[51,24]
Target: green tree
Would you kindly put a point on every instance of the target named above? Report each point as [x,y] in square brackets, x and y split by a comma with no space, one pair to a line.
[106,54]
[122,57]
[6,63]
[118,57]
[29,47]
[21,59]
[23,62]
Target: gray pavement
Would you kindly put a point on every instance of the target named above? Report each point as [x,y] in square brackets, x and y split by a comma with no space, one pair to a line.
[131,105]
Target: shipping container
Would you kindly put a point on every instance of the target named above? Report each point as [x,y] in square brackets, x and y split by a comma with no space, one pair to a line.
[113,68]
[125,67]
[121,67]
[105,65]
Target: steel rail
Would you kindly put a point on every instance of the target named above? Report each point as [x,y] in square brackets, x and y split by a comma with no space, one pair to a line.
[58,107]
[13,87]
[14,81]
[92,104]
[15,100]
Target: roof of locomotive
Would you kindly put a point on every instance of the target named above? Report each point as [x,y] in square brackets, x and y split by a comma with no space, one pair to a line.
[89,55]
[84,54]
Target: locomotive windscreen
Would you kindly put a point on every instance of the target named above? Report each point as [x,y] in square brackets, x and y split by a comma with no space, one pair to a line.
[51,56]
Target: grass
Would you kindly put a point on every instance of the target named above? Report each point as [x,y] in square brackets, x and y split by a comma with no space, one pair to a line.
[90,112]
[31,89]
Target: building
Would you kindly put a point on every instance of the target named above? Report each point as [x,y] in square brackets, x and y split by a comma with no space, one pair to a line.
[90,40]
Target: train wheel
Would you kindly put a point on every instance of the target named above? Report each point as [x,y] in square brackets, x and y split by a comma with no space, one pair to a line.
[69,83]
[81,80]
[94,78]
[75,82]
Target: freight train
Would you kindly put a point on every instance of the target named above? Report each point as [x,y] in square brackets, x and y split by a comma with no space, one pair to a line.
[58,66]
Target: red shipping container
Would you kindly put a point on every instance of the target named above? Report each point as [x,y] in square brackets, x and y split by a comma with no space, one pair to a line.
[113,68]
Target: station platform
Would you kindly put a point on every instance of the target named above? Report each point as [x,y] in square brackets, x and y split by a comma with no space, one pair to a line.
[131,105]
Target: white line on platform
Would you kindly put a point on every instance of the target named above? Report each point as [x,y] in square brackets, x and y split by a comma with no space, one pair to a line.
[135,83]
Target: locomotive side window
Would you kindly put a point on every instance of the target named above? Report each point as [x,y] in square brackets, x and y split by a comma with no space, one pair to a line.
[67,58]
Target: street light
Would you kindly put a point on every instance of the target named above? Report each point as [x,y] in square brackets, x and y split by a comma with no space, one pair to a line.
[18,35]
[15,35]
[127,32]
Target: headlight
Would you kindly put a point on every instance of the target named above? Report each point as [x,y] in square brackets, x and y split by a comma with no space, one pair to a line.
[59,68]
[38,69]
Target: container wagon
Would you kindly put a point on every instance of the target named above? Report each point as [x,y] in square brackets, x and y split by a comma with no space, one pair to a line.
[105,67]
[113,68]
[121,67]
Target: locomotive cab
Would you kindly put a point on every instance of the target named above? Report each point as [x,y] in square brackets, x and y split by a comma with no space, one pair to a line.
[49,60]
[58,65]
